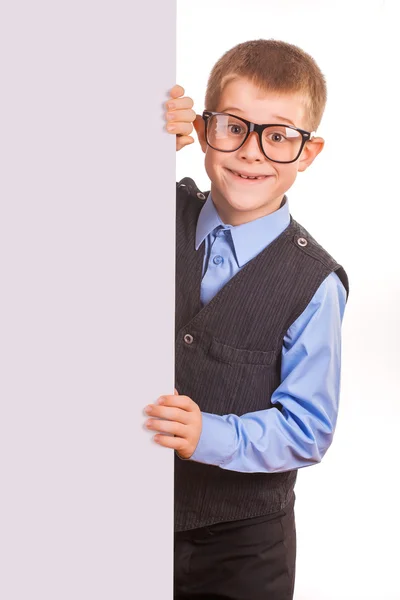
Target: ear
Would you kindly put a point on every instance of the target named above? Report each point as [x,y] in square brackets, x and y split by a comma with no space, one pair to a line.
[200,127]
[310,152]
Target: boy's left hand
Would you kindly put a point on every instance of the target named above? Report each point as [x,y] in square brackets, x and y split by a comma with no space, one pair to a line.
[182,420]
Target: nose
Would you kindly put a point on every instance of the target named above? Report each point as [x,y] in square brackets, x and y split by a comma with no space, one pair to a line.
[251,149]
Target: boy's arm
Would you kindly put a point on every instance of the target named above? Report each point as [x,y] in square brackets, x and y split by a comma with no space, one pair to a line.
[299,435]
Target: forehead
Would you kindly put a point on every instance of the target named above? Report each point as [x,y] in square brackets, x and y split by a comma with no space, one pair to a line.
[245,99]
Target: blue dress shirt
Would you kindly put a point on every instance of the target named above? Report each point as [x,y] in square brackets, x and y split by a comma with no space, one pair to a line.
[271,440]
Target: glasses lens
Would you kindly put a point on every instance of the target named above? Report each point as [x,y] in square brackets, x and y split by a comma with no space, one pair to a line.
[281,143]
[225,132]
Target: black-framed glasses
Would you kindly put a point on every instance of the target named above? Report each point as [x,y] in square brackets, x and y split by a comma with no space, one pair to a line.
[279,143]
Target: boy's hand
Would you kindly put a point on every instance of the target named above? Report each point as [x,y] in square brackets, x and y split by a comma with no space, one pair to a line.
[180,116]
[182,421]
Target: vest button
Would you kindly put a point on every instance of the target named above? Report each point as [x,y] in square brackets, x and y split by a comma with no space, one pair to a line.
[188,338]
[302,242]
[201,196]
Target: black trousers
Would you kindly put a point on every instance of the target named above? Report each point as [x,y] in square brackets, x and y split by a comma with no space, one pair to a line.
[253,559]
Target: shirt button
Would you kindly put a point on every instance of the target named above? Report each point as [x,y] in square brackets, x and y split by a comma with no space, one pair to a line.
[217,260]
[188,338]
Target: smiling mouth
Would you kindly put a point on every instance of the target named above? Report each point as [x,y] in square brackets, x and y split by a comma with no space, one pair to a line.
[249,177]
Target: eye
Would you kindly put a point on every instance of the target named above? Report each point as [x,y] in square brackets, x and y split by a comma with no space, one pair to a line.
[277,137]
[235,129]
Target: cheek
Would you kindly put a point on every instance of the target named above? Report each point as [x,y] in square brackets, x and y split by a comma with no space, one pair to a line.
[211,162]
[208,167]
[288,174]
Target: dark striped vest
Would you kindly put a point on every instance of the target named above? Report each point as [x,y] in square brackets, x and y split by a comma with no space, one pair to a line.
[232,364]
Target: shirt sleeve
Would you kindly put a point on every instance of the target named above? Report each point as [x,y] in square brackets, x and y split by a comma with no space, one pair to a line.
[300,433]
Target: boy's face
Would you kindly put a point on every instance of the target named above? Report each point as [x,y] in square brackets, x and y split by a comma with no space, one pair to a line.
[242,200]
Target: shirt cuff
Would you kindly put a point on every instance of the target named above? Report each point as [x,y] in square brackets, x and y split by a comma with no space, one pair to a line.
[217,441]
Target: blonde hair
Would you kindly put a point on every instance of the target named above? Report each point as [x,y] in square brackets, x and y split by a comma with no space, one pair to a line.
[274,66]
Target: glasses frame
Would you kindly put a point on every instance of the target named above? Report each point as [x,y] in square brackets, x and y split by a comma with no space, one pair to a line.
[306,135]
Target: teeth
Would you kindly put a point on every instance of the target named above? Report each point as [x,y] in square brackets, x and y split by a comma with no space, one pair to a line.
[249,176]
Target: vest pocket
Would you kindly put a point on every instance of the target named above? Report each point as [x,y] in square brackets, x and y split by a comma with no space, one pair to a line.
[230,355]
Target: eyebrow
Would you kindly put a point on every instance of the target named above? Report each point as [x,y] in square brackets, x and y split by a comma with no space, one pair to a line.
[284,119]
[236,109]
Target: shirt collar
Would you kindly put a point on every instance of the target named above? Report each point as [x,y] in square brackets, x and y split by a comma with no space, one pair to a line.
[248,239]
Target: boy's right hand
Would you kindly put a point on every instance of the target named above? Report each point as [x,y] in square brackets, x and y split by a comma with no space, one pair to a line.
[180,117]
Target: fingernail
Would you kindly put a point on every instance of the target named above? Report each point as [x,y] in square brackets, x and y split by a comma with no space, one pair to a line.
[171,128]
[161,400]
[171,105]
[170,116]
[147,409]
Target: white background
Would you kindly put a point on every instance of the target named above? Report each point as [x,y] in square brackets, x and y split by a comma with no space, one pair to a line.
[348,524]
[87,282]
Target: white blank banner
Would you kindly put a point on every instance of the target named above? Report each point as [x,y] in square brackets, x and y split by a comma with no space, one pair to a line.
[87,224]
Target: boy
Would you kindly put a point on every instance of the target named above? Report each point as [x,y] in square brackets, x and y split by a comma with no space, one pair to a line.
[259,306]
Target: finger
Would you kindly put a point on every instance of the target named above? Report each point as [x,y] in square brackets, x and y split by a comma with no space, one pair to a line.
[170,427]
[180,128]
[183,141]
[171,414]
[182,402]
[183,116]
[179,103]
[176,91]
[175,443]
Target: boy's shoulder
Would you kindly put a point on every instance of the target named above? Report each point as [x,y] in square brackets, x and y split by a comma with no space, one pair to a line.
[306,243]
[187,187]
